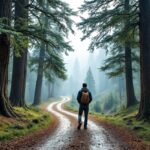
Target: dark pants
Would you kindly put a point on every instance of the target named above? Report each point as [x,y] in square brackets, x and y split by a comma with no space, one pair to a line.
[84,108]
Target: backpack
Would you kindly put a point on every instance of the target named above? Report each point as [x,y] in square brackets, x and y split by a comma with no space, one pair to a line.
[85,98]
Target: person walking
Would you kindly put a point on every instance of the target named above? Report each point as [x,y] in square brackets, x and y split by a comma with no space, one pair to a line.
[84,98]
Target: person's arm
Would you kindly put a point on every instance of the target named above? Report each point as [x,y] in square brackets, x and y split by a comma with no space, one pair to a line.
[90,97]
[79,97]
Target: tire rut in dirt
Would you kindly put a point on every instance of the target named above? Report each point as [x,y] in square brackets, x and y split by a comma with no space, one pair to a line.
[80,138]
[60,136]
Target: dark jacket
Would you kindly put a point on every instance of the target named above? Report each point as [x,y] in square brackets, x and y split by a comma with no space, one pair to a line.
[80,94]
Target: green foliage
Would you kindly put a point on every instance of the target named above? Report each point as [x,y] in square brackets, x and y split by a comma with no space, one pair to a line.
[32,120]
[55,66]
[114,65]
[56,12]
[125,116]
[54,30]
[107,102]
[105,23]
[111,24]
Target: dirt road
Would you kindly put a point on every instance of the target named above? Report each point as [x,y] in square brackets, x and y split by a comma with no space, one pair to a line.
[67,137]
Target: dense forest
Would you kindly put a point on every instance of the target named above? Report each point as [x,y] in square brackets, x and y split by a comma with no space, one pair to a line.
[40,65]
[40,27]
[33,41]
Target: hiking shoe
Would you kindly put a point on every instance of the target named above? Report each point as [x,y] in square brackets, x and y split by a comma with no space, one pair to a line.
[79,126]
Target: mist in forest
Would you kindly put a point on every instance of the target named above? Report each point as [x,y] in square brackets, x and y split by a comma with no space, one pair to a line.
[80,61]
[82,66]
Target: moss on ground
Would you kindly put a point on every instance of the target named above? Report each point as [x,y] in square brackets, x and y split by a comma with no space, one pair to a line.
[31,120]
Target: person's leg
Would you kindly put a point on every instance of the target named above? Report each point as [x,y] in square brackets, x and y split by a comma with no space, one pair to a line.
[80,117]
[86,111]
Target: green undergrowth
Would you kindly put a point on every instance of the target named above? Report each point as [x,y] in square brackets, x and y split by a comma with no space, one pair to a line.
[31,120]
[126,118]
[69,107]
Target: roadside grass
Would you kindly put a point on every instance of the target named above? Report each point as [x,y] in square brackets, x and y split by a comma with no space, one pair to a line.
[31,120]
[126,118]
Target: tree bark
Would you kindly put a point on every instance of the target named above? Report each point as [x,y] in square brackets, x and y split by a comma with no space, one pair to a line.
[38,87]
[131,99]
[144,109]
[5,107]
[17,94]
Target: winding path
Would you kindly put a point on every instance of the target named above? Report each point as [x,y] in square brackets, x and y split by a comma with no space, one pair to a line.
[67,137]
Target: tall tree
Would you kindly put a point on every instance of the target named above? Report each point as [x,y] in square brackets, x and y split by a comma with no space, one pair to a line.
[5,16]
[25,12]
[144,110]
[52,67]
[90,81]
[114,29]
[131,99]
[17,94]
[38,86]
[50,62]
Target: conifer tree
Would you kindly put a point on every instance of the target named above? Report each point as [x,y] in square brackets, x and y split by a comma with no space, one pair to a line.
[90,81]
[5,17]
[17,94]
[115,29]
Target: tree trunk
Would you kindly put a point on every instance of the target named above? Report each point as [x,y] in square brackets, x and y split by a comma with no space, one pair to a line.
[5,107]
[17,94]
[38,87]
[144,110]
[131,99]
[18,80]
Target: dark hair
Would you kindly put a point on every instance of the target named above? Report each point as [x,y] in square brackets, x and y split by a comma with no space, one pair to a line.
[84,85]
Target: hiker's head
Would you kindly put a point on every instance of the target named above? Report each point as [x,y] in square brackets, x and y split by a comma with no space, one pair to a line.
[84,85]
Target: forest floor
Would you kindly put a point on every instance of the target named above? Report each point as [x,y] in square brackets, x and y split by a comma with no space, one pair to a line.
[62,134]
[26,131]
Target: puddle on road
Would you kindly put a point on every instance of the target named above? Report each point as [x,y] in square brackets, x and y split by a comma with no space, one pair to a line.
[57,140]
[101,139]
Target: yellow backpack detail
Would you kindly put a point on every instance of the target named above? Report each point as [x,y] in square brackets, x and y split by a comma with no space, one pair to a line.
[85,98]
